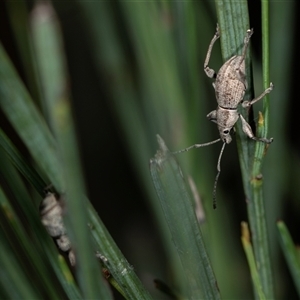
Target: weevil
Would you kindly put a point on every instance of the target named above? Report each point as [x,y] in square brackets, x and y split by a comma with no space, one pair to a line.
[51,213]
[230,86]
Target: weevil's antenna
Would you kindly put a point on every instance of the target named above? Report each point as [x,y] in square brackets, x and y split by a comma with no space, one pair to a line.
[197,146]
[217,177]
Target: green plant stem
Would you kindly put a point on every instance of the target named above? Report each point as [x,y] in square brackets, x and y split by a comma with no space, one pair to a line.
[233,21]
[256,208]
[251,259]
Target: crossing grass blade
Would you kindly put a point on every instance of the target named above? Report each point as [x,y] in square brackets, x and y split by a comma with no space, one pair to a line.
[291,253]
[177,204]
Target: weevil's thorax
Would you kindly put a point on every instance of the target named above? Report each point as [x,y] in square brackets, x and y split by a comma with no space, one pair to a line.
[226,118]
[231,84]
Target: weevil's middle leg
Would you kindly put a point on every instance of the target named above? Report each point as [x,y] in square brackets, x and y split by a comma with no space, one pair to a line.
[267,91]
[208,71]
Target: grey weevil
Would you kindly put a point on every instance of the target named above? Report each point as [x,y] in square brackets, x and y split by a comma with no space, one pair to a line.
[230,86]
[51,212]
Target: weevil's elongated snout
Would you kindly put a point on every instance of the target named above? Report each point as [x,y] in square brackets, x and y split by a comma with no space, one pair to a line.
[226,137]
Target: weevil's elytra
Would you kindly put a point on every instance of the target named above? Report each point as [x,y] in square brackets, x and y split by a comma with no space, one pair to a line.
[230,87]
[230,84]
[51,212]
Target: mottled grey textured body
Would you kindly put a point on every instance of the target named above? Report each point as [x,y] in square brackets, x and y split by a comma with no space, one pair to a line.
[231,83]
[230,87]
[51,212]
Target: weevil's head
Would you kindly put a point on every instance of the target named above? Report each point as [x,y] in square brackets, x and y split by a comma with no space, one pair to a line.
[225,135]
[226,119]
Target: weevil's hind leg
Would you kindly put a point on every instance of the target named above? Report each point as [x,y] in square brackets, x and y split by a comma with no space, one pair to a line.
[247,130]
[267,91]
[217,177]
[208,71]
[197,146]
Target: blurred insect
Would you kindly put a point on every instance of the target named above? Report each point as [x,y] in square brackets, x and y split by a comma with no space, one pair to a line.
[51,212]
[230,86]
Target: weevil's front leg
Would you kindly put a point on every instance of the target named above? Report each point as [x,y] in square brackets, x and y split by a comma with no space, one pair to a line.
[267,91]
[246,42]
[208,71]
[247,130]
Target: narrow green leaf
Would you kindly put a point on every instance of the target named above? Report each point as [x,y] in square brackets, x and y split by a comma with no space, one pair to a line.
[290,252]
[114,260]
[41,246]
[51,63]
[251,260]
[23,249]
[157,102]
[103,241]
[177,205]
[27,121]
[13,280]
[117,263]
[257,214]
[20,163]
[234,21]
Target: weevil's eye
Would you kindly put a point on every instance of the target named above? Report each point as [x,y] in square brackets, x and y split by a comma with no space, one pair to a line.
[226,138]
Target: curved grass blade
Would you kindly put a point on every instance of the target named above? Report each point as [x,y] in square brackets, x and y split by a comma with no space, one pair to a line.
[27,121]
[177,205]
[114,260]
[291,253]
[13,281]
[20,163]
[24,251]
[251,259]
[51,65]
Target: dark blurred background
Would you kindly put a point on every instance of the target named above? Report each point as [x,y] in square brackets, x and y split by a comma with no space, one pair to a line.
[115,64]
